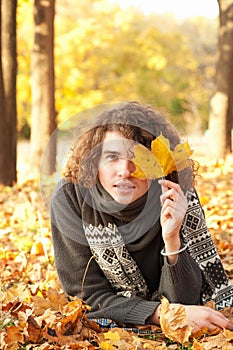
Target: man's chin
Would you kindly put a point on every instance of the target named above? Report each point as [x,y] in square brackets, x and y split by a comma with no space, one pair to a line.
[123,200]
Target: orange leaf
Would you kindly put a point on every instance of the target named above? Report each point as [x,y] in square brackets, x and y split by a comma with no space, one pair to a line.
[197,346]
[228,334]
[33,331]
[37,248]
[216,342]
[55,301]
[12,337]
[173,322]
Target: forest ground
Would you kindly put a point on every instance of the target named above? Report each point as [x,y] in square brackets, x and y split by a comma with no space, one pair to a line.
[35,315]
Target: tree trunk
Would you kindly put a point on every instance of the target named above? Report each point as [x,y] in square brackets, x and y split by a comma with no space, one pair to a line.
[43,102]
[8,72]
[2,113]
[221,105]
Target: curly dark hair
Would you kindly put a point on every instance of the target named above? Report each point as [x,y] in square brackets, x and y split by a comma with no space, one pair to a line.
[131,120]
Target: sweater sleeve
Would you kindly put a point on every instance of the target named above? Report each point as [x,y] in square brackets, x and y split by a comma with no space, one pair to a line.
[181,282]
[81,276]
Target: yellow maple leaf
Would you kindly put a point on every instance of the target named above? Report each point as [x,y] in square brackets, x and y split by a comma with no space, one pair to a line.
[181,155]
[161,160]
[147,166]
[160,147]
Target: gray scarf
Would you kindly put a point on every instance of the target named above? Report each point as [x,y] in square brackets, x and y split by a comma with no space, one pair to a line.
[112,227]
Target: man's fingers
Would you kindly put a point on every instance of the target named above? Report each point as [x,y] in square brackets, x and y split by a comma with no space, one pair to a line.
[169,184]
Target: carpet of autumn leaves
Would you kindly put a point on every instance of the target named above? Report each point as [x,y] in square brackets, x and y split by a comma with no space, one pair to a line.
[35,314]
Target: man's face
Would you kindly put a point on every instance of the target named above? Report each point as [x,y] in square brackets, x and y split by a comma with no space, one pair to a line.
[116,167]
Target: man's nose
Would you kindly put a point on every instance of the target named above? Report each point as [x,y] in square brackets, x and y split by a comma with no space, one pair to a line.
[126,167]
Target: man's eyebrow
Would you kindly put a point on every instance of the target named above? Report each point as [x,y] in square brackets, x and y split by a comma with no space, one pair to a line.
[107,151]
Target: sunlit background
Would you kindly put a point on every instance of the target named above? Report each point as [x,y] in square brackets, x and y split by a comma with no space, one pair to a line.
[180,8]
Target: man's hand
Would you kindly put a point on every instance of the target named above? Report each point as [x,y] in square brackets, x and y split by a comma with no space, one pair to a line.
[198,317]
[174,207]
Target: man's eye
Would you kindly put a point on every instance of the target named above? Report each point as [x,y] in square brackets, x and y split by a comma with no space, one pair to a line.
[111,157]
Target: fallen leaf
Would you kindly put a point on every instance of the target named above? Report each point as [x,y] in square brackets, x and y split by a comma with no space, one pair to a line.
[112,335]
[228,312]
[11,338]
[173,322]
[228,334]
[54,301]
[106,346]
[33,332]
[197,346]
[216,342]
[37,248]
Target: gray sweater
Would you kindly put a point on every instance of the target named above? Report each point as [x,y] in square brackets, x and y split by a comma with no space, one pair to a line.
[81,276]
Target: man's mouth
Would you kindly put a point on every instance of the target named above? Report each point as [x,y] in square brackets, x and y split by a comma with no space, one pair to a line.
[124,186]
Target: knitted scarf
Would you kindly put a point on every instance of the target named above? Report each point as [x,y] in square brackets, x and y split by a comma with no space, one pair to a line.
[108,227]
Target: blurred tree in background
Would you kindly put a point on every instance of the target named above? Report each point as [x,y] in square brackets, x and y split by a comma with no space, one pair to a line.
[43,118]
[8,72]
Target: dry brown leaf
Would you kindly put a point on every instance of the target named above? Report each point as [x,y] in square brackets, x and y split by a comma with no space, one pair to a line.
[173,322]
[216,342]
[73,341]
[11,338]
[14,307]
[54,301]
[152,344]
[119,338]
[33,332]
[197,346]
[71,323]
[200,332]
[228,312]
[211,304]
[228,334]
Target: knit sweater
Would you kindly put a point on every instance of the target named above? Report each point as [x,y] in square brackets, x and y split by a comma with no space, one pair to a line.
[81,275]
